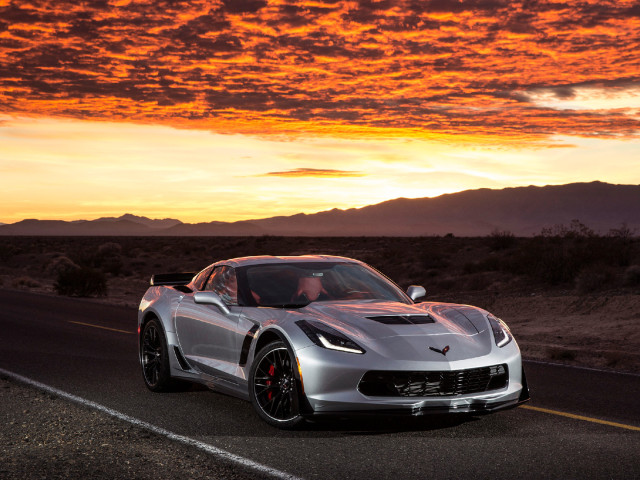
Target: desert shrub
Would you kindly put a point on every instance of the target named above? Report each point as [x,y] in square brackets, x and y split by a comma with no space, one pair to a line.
[593,278]
[632,275]
[59,264]
[560,253]
[560,353]
[7,251]
[108,258]
[621,240]
[446,284]
[476,281]
[488,264]
[624,232]
[25,282]
[575,229]
[614,359]
[81,282]
[501,239]
[110,249]
[430,260]
[549,259]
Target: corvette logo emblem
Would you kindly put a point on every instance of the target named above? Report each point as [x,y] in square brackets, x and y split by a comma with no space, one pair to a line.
[443,351]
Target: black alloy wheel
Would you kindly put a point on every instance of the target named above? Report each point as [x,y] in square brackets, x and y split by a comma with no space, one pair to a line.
[155,359]
[274,386]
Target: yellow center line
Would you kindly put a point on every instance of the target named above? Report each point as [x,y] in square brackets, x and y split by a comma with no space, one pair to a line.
[580,417]
[100,326]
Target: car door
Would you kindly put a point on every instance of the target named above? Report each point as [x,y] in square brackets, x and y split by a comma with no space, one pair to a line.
[208,336]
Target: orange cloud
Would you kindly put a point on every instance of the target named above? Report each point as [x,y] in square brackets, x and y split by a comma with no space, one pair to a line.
[315,172]
[435,68]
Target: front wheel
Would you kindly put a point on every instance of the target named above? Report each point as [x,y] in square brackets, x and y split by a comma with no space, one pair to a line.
[154,356]
[273,386]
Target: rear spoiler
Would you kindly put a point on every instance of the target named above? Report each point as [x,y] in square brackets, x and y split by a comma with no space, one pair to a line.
[172,279]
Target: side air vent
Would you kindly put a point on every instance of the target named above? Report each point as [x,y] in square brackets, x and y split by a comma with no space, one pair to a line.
[403,319]
[181,360]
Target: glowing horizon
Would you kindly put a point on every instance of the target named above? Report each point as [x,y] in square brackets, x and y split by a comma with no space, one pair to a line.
[224,110]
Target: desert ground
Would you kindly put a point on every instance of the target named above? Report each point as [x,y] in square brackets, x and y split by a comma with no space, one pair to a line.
[568,296]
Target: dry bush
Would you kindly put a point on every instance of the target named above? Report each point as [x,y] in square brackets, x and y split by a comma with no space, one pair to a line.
[632,275]
[476,281]
[25,282]
[559,254]
[560,353]
[81,282]
[108,258]
[59,264]
[501,239]
[488,264]
[7,250]
[614,359]
[110,249]
[593,278]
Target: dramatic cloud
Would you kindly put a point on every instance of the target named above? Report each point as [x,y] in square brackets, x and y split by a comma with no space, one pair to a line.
[490,68]
[315,172]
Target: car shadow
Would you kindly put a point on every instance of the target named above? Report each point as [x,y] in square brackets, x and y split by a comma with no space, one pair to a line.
[236,415]
[385,424]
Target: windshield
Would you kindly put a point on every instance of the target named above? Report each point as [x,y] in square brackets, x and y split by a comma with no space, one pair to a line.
[298,284]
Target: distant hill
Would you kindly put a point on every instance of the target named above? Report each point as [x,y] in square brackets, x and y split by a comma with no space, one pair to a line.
[152,223]
[523,211]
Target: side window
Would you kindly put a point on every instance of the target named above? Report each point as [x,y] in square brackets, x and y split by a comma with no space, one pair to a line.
[223,281]
[198,282]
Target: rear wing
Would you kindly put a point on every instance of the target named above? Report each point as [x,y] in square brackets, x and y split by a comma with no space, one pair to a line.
[172,279]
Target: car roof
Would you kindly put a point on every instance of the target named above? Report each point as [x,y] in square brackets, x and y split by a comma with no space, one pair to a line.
[269,259]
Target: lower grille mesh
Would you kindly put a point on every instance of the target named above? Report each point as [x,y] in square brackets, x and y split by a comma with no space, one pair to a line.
[435,383]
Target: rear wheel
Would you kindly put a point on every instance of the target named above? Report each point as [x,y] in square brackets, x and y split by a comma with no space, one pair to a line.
[273,386]
[155,359]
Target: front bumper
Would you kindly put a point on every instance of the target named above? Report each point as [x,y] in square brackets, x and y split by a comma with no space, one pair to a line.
[331,384]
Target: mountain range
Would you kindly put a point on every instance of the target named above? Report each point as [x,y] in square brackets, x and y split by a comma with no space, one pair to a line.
[523,211]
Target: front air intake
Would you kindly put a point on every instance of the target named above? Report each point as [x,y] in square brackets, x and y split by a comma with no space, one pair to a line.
[434,383]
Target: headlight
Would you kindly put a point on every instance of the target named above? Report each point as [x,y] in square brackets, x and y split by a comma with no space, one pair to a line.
[327,337]
[501,332]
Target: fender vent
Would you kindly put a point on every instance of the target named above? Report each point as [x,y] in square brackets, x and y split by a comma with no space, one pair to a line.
[403,319]
[181,360]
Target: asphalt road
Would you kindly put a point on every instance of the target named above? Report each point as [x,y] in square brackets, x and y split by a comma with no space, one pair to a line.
[59,342]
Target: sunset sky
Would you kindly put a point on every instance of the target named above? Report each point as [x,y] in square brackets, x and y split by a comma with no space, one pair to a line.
[240,109]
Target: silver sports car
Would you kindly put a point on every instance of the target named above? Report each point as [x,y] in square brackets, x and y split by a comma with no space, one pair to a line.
[318,335]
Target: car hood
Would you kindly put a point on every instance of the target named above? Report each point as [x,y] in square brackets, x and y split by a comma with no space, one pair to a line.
[402,331]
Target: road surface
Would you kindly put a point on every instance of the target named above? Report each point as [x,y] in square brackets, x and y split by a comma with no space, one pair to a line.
[580,423]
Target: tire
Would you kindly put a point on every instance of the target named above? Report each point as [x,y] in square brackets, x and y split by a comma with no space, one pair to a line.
[154,359]
[274,386]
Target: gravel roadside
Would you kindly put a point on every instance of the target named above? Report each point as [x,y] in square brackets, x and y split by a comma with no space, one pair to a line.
[44,436]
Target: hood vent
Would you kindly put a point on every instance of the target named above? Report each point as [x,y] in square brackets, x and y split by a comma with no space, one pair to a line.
[403,319]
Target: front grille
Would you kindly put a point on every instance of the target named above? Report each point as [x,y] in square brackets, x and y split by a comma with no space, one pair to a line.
[434,384]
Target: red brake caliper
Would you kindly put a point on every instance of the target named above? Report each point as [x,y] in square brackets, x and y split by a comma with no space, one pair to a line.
[272,371]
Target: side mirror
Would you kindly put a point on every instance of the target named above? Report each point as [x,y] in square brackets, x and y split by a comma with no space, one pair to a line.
[415,292]
[211,298]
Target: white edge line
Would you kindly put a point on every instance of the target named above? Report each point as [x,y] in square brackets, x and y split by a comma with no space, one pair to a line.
[578,367]
[218,452]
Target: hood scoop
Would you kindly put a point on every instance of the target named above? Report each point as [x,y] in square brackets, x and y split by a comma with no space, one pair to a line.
[403,319]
